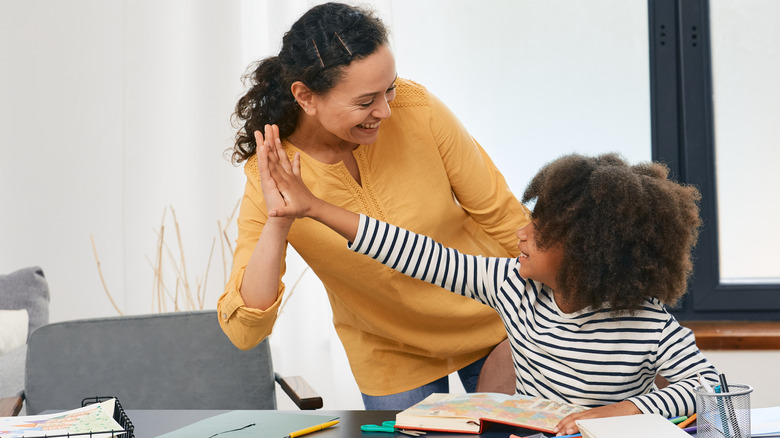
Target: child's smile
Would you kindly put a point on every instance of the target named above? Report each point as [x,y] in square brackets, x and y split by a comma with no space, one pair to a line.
[536,264]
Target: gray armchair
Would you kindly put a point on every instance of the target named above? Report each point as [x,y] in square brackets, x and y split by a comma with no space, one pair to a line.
[178,360]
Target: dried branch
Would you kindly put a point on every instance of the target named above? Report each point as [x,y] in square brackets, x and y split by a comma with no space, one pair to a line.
[158,269]
[100,272]
[225,240]
[184,277]
[161,294]
[202,297]
[292,289]
[222,239]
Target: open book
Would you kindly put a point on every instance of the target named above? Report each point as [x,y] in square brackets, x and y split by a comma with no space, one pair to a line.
[467,413]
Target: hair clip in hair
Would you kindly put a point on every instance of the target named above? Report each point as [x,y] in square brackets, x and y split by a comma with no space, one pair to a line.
[318,52]
[342,43]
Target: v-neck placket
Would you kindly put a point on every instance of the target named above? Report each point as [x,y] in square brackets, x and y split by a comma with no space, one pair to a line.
[364,194]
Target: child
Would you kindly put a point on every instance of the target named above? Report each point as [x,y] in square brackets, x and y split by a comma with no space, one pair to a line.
[608,246]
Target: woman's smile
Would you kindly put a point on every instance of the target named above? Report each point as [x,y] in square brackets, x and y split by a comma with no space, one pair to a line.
[370,126]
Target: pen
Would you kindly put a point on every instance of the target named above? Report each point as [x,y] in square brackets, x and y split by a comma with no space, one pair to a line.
[576,435]
[691,429]
[723,419]
[732,416]
[704,384]
[723,385]
[678,420]
[312,429]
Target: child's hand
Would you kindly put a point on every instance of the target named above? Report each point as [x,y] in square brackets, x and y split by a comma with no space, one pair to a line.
[285,193]
[567,426]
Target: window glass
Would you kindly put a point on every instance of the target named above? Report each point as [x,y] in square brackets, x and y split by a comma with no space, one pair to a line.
[745,42]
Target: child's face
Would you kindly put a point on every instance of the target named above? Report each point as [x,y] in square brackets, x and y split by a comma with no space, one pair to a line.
[537,264]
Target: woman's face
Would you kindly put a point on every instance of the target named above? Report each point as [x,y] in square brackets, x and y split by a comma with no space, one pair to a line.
[537,264]
[354,108]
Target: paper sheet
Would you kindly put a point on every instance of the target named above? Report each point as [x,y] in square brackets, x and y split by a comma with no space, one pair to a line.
[98,417]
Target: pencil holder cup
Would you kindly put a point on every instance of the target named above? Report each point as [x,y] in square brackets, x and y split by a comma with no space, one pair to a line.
[724,414]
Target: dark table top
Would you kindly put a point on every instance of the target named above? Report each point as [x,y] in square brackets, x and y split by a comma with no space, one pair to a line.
[151,423]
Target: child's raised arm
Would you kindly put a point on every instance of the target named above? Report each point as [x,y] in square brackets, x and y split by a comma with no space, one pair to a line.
[299,202]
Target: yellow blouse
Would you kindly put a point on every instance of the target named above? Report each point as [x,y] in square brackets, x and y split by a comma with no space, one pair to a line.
[424,173]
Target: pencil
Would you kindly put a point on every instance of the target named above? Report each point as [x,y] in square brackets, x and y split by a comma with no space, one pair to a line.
[688,421]
[312,429]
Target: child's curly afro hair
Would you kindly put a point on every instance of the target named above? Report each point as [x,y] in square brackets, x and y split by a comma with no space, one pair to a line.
[627,231]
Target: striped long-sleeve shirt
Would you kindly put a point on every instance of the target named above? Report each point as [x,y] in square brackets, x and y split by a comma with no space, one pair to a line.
[589,357]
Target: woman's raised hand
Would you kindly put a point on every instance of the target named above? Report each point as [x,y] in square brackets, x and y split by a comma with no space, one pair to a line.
[285,193]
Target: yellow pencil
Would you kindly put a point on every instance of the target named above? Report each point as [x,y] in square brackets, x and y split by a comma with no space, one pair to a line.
[312,429]
[687,421]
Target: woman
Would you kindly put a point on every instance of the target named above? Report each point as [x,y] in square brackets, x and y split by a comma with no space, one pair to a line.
[331,91]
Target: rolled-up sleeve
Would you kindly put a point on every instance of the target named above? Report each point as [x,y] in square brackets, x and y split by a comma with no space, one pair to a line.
[246,327]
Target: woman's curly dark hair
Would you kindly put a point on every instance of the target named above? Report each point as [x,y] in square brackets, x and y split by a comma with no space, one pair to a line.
[314,51]
[627,232]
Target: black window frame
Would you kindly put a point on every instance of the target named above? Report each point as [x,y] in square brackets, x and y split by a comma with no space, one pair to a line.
[683,138]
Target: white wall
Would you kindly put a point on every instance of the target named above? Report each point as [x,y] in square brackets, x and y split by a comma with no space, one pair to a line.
[62,145]
[756,368]
[113,110]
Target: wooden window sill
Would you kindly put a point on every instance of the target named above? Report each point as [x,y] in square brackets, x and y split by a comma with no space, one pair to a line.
[735,335]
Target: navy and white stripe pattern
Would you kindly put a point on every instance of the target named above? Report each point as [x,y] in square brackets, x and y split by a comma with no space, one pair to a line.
[589,357]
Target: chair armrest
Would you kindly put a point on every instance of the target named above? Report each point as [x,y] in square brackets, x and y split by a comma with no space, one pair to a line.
[299,391]
[10,406]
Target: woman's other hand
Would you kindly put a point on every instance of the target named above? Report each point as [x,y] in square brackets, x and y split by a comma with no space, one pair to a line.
[567,426]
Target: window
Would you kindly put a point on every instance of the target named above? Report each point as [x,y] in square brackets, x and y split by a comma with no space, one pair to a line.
[695,144]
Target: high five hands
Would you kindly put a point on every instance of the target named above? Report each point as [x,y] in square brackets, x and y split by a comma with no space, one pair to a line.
[286,195]
[280,179]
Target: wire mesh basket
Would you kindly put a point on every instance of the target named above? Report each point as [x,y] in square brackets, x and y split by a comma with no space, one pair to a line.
[125,431]
[723,414]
